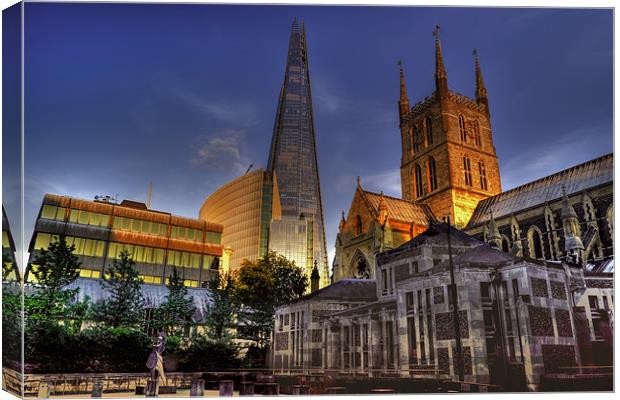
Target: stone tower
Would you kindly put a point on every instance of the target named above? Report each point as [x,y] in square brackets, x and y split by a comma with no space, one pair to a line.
[300,234]
[448,157]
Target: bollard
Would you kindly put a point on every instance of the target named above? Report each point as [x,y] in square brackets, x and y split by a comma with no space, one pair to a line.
[97,389]
[271,389]
[246,389]
[151,389]
[304,390]
[197,388]
[139,390]
[226,388]
[44,390]
[295,390]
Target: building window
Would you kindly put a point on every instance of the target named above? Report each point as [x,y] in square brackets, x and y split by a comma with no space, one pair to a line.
[483,175]
[462,128]
[535,242]
[358,225]
[467,170]
[416,139]
[429,131]
[477,132]
[419,184]
[593,300]
[432,174]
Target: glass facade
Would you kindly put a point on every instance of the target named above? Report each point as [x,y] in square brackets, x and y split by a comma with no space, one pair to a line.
[293,157]
[245,208]
[155,240]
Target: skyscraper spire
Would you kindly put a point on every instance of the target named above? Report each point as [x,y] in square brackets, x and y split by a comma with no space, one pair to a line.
[441,77]
[403,102]
[481,90]
[300,234]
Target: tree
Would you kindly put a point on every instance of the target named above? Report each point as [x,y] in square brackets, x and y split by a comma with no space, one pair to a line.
[125,306]
[53,269]
[264,285]
[176,312]
[222,308]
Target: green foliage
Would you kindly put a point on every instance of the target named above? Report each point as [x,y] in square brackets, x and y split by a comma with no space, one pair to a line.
[53,269]
[173,315]
[222,309]
[51,347]
[204,354]
[125,305]
[264,285]
[11,324]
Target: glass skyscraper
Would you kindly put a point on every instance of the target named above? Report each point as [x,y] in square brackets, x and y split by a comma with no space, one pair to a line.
[299,235]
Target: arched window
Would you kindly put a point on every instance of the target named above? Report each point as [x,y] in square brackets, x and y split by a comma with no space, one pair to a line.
[477,132]
[429,131]
[432,174]
[358,225]
[416,139]
[482,173]
[535,243]
[467,170]
[419,184]
[505,244]
[462,128]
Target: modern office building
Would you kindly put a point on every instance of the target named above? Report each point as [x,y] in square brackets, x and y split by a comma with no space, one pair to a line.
[300,234]
[156,240]
[245,208]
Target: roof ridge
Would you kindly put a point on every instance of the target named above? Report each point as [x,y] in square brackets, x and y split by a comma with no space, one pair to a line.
[548,177]
[392,197]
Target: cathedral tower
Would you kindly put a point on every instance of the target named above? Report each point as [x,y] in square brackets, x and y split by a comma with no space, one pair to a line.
[448,158]
[300,234]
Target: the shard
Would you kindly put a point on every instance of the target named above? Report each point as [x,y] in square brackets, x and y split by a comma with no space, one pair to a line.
[300,234]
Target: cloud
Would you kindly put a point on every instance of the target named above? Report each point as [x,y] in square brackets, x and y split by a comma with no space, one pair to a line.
[221,151]
[386,181]
[548,158]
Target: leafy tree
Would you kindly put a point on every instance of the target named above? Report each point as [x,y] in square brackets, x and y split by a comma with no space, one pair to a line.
[221,312]
[125,306]
[176,312]
[53,269]
[264,285]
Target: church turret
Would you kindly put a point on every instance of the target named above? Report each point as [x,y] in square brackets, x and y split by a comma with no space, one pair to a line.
[383,210]
[315,278]
[494,238]
[343,222]
[572,240]
[403,102]
[441,77]
[481,90]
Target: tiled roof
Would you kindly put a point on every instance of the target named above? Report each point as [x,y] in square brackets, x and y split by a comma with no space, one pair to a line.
[401,210]
[590,174]
[345,289]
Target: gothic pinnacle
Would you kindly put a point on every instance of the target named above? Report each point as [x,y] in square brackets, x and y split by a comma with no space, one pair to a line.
[441,77]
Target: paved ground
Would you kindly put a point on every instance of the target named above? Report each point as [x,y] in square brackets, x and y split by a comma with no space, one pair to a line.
[123,395]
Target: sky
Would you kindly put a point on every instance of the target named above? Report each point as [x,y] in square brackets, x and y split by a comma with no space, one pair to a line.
[184,96]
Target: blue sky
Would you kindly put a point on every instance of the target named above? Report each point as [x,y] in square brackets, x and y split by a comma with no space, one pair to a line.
[184,96]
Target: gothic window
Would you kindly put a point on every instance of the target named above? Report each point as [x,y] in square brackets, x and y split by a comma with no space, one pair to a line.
[535,242]
[419,184]
[429,131]
[432,174]
[483,175]
[505,244]
[462,128]
[362,270]
[477,132]
[416,139]
[358,225]
[467,170]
